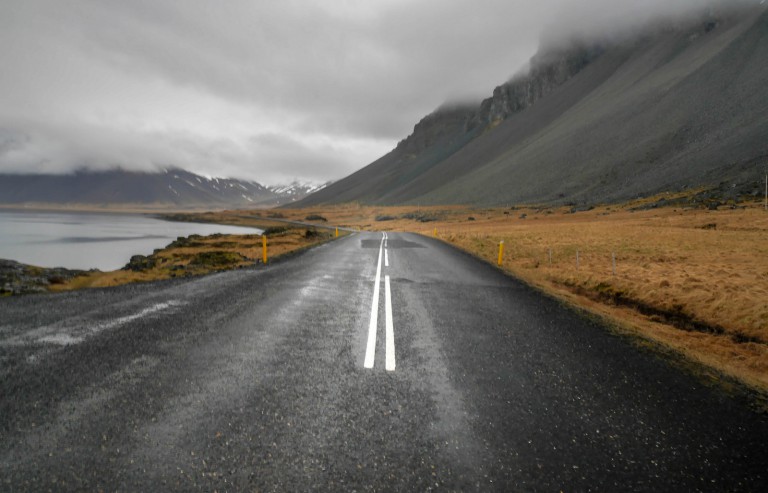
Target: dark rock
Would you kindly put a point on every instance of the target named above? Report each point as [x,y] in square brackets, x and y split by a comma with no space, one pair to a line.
[315,217]
[549,70]
[275,230]
[140,263]
[17,278]
[420,217]
[192,241]
[217,259]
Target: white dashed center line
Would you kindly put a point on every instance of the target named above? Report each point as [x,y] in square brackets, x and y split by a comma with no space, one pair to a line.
[370,350]
[390,335]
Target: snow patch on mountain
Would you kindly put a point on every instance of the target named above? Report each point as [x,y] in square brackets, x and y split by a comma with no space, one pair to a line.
[297,190]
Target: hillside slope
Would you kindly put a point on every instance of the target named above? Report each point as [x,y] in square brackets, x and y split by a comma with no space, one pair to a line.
[681,105]
[173,188]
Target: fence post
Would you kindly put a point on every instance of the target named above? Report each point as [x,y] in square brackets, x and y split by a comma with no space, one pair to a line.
[501,251]
[577,260]
[550,257]
[613,259]
[337,232]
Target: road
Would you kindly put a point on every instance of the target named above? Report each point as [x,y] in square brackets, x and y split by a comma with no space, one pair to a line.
[266,379]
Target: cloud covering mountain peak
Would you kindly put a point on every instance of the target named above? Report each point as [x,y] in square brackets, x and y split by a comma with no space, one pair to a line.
[255,90]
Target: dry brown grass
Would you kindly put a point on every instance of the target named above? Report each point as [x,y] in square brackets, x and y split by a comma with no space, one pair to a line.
[692,280]
[203,255]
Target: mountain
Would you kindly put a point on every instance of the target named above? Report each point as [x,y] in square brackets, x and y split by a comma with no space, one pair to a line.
[680,103]
[295,191]
[172,188]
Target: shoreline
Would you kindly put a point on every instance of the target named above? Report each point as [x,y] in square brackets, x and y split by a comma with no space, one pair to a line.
[186,256]
[88,240]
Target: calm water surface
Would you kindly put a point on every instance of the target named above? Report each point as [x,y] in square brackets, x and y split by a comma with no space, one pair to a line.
[91,240]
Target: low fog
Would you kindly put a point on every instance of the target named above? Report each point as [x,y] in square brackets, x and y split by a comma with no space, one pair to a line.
[268,91]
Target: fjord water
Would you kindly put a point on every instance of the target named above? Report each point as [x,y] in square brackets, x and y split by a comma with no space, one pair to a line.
[78,240]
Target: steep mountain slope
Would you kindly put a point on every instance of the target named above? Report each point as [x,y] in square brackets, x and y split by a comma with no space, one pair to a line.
[682,104]
[433,140]
[173,187]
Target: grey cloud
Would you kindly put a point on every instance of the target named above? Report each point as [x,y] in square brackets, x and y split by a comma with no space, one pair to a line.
[306,60]
[596,19]
[325,86]
[297,160]
[268,158]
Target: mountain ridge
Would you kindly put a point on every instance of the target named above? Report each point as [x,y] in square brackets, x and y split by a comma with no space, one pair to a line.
[171,188]
[671,106]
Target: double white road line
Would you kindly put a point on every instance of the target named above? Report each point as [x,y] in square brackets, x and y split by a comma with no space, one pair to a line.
[370,351]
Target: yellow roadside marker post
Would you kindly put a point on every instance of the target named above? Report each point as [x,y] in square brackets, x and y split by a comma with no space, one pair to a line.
[264,248]
[337,232]
[434,233]
[501,251]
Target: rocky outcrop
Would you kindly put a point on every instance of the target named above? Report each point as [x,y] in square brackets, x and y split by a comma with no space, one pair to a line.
[140,263]
[549,70]
[17,278]
[431,129]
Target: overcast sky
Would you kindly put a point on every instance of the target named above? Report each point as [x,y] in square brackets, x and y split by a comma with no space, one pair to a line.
[261,90]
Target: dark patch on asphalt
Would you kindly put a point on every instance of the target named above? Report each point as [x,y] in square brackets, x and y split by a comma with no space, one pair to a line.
[403,279]
[394,244]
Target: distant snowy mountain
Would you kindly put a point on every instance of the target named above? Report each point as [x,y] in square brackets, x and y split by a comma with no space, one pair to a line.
[296,190]
[170,188]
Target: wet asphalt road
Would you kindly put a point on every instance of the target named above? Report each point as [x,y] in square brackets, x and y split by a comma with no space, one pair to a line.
[255,380]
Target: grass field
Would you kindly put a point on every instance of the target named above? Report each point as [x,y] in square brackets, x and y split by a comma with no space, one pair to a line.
[691,279]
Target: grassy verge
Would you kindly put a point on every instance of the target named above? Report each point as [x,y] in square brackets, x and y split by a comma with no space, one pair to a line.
[197,255]
[693,279]
[700,291]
